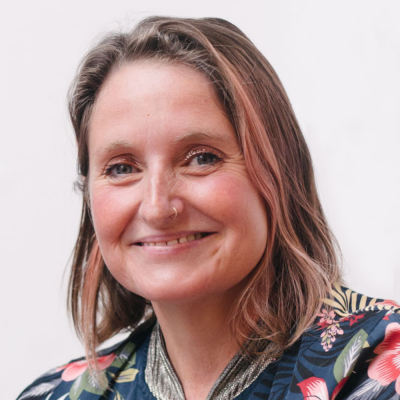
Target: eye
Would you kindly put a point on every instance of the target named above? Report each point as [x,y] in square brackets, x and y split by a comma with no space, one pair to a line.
[202,157]
[206,158]
[121,169]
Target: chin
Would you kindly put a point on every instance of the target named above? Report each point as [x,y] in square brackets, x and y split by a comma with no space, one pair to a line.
[171,293]
[179,292]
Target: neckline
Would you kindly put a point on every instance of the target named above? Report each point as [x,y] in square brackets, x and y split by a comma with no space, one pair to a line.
[238,375]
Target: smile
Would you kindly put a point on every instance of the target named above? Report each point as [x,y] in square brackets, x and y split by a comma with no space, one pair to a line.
[184,239]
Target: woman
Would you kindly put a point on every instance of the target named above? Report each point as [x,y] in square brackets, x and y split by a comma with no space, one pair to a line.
[202,232]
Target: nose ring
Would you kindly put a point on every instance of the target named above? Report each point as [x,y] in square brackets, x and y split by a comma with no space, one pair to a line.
[176,212]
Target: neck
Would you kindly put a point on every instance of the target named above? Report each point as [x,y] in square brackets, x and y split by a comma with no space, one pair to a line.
[198,341]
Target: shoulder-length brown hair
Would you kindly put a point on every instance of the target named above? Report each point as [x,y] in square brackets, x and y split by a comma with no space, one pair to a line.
[299,265]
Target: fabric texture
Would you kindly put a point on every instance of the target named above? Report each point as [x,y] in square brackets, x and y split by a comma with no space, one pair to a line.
[352,352]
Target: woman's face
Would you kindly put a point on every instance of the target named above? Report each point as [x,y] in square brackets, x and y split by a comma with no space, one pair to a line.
[159,140]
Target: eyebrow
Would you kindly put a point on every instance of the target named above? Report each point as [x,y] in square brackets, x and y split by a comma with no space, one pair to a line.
[185,137]
[117,144]
[194,136]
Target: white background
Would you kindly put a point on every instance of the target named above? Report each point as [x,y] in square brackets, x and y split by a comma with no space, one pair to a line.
[340,64]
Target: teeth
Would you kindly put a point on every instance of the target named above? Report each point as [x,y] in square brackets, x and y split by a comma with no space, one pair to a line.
[184,239]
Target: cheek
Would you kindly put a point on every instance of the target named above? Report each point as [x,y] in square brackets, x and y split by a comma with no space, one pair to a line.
[218,193]
[234,201]
[111,210]
[245,214]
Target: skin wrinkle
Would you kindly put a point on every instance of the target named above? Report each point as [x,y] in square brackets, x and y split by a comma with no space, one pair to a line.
[173,179]
[265,129]
[209,198]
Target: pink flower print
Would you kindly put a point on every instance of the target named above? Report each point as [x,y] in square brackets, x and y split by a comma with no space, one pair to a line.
[385,367]
[327,317]
[388,303]
[77,368]
[331,326]
[314,388]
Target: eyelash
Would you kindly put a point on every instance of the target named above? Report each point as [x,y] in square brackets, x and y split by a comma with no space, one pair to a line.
[128,161]
[197,152]
[188,158]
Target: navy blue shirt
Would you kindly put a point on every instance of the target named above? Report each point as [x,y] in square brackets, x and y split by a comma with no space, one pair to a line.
[352,352]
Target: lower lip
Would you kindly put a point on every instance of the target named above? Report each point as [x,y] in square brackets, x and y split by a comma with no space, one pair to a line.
[173,248]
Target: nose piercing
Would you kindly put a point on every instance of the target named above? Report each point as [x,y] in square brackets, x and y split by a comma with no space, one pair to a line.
[176,212]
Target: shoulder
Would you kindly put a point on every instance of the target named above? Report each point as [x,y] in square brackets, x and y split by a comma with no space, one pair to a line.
[352,349]
[116,365]
[346,302]
[346,311]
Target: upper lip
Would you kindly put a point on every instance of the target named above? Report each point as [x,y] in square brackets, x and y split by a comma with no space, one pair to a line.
[167,237]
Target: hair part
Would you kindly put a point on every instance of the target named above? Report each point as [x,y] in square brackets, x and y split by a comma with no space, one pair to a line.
[284,292]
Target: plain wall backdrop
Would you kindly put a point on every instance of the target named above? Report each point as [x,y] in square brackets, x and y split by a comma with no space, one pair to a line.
[339,62]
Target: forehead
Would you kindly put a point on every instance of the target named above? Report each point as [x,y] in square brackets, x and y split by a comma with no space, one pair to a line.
[150,82]
[151,100]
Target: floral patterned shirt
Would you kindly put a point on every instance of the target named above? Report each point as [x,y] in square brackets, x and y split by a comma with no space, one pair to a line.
[352,352]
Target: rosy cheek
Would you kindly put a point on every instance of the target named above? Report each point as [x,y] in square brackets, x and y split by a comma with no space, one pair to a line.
[231,193]
[217,196]
[237,202]
[110,210]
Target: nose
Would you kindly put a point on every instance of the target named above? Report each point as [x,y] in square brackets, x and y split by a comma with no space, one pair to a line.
[159,206]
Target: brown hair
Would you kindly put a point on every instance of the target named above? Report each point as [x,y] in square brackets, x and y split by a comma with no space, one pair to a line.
[299,265]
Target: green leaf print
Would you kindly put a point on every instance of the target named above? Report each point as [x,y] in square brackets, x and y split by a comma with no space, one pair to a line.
[345,363]
[87,383]
[76,388]
[127,356]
